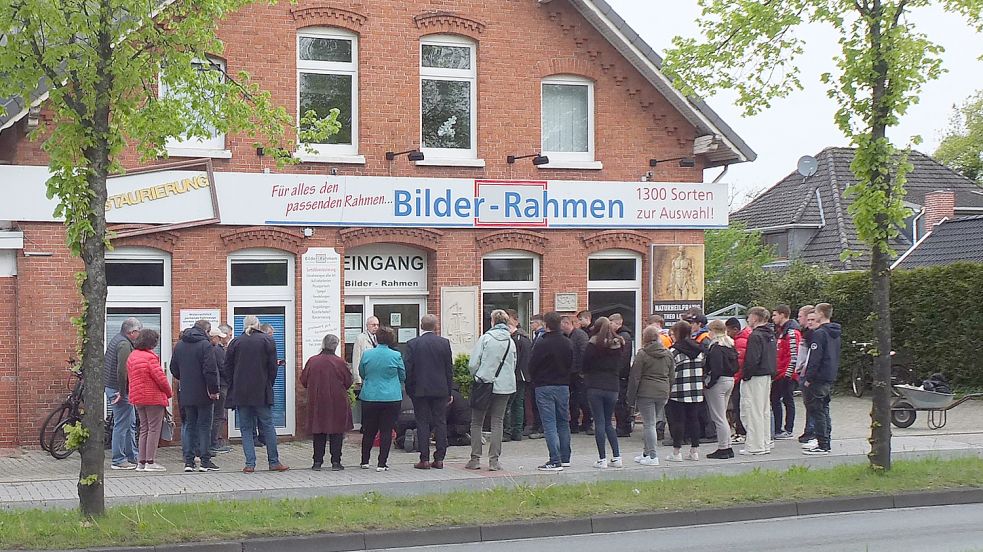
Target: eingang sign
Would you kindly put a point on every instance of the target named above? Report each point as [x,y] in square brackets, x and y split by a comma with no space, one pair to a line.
[179,196]
[385,269]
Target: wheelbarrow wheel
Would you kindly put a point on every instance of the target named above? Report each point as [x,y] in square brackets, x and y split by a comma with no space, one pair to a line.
[903,414]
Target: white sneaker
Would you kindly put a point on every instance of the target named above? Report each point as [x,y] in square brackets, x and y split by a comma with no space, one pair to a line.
[746,452]
[638,459]
[140,467]
[564,464]
[810,444]
[771,445]
[154,468]
[693,455]
[646,461]
[601,464]
[382,469]
[675,457]
[737,439]
[616,462]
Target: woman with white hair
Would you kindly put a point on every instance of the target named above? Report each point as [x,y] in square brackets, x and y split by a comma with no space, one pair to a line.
[329,414]
[492,363]
[251,364]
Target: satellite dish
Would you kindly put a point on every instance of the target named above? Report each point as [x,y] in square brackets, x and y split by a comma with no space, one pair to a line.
[807,165]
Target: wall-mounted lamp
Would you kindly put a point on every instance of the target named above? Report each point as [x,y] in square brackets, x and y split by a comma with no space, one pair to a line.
[308,232]
[537,159]
[260,151]
[414,155]
[687,162]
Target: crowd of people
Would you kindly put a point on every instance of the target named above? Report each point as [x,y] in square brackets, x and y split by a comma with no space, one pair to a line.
[570,374]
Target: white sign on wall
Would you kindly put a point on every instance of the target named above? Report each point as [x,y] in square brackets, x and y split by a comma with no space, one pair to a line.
[321,297]
[385,268]
[190,316]
[459,317]
[320,200]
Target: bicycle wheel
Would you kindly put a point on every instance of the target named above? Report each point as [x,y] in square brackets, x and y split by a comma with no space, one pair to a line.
[58,445]
[56,417]
[857,382]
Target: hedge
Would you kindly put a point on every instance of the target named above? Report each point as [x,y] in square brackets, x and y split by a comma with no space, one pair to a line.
[936,314]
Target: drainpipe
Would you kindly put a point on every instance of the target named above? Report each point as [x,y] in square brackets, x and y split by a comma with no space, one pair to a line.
[722,173]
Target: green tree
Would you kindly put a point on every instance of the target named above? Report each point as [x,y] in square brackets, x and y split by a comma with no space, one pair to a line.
[962,148]
[101,62]
[751,47]
[734,257]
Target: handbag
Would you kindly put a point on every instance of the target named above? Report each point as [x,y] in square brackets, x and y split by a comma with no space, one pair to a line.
[167,427]
[481,391]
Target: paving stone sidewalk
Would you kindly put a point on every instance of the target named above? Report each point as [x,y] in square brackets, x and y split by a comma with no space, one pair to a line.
[32,479]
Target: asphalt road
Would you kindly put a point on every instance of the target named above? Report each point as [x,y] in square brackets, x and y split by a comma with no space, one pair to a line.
[936,529]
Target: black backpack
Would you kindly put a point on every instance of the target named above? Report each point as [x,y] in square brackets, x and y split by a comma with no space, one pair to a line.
[730,359]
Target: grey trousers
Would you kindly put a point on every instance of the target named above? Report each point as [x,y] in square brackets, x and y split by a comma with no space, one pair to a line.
[718,397]
[651,410]
[497,412]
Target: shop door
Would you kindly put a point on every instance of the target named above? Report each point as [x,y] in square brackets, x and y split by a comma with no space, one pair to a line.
[150,317]
[275,316]
[402,315]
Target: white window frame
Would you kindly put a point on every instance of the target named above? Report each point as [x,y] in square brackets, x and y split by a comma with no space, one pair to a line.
[518,286]
[569,159]
[269,296]
[634,285]
[437,156]
[213,147]
[330,153]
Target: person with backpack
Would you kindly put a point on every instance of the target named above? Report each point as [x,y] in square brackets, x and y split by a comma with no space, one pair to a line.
[648,389]
[721,366]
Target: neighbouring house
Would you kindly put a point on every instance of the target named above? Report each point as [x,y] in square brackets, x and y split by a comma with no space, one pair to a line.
[952,240]
[807,218]
[509,104]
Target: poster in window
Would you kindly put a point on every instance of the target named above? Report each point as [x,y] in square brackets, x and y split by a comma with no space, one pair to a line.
[677,272]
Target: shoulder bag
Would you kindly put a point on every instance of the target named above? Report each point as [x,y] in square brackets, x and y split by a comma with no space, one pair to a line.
[481,391]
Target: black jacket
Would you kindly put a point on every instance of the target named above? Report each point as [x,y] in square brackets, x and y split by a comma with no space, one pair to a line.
[626,351]
[824,354]
[250,362]
[603,365]
[578,338]
[223,376]
[721,362]
[523,349]
[193,363]
[551,362]
[429,366]
[762,353]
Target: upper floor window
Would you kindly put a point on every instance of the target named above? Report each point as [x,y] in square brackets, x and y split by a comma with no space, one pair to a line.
[448,119]
[779,241]
[210,68]
[327,78]
[568,119]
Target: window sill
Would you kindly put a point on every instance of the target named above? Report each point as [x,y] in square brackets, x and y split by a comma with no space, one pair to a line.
[199,152]
[580,165]
[328,158]
[445,162]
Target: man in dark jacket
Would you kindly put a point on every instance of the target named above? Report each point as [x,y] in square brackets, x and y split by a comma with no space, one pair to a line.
[220,338]
[429,377]
[515,414]
[622,412]
[194,367]
[534,426]
[550,366]
[251,363]
[580,417]
[820,374]
[758,371]
[124,443]
[458,419]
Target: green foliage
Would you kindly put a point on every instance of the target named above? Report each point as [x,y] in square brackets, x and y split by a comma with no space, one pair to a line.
[89,480]
[75,435]
[462,374]
[798,284]
[734,248]
[962,147]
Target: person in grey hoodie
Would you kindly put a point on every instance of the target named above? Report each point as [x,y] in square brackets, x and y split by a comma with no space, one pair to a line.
[756,376]
[495,345]
[648,388]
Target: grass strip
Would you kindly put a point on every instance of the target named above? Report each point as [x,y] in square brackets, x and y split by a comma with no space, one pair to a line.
[233,520]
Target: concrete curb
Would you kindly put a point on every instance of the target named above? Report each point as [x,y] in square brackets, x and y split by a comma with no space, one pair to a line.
[581,526]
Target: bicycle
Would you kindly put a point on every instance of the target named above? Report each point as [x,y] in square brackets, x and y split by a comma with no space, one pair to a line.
[69,408]
[862,374]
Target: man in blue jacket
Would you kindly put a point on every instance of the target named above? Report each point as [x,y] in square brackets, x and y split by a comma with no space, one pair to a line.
[194,366]
[820,374]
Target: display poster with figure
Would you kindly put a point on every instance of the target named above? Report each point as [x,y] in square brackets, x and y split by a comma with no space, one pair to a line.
[677,279]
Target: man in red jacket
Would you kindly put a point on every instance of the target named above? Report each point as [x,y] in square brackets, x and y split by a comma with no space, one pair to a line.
[788,338]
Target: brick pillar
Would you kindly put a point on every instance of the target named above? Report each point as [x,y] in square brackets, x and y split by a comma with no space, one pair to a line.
[939,205]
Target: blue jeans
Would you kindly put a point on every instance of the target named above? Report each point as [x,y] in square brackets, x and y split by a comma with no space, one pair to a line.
[816,397]
[248,417]
[554,410]
[196,432]
[124,429]
[602,405]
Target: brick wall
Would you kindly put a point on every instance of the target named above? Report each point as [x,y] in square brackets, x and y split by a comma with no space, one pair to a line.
[519,43]
[939,205]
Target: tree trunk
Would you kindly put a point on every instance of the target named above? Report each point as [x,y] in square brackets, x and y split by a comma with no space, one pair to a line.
[880,411]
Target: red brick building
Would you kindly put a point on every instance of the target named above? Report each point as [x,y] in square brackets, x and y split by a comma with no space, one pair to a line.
[468,83]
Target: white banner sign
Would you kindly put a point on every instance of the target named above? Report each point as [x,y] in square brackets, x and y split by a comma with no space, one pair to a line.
[190,316]
[321,296]
[319,200]
[385,268]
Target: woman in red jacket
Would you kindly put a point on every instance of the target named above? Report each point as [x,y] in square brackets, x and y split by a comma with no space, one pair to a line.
[150,393]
